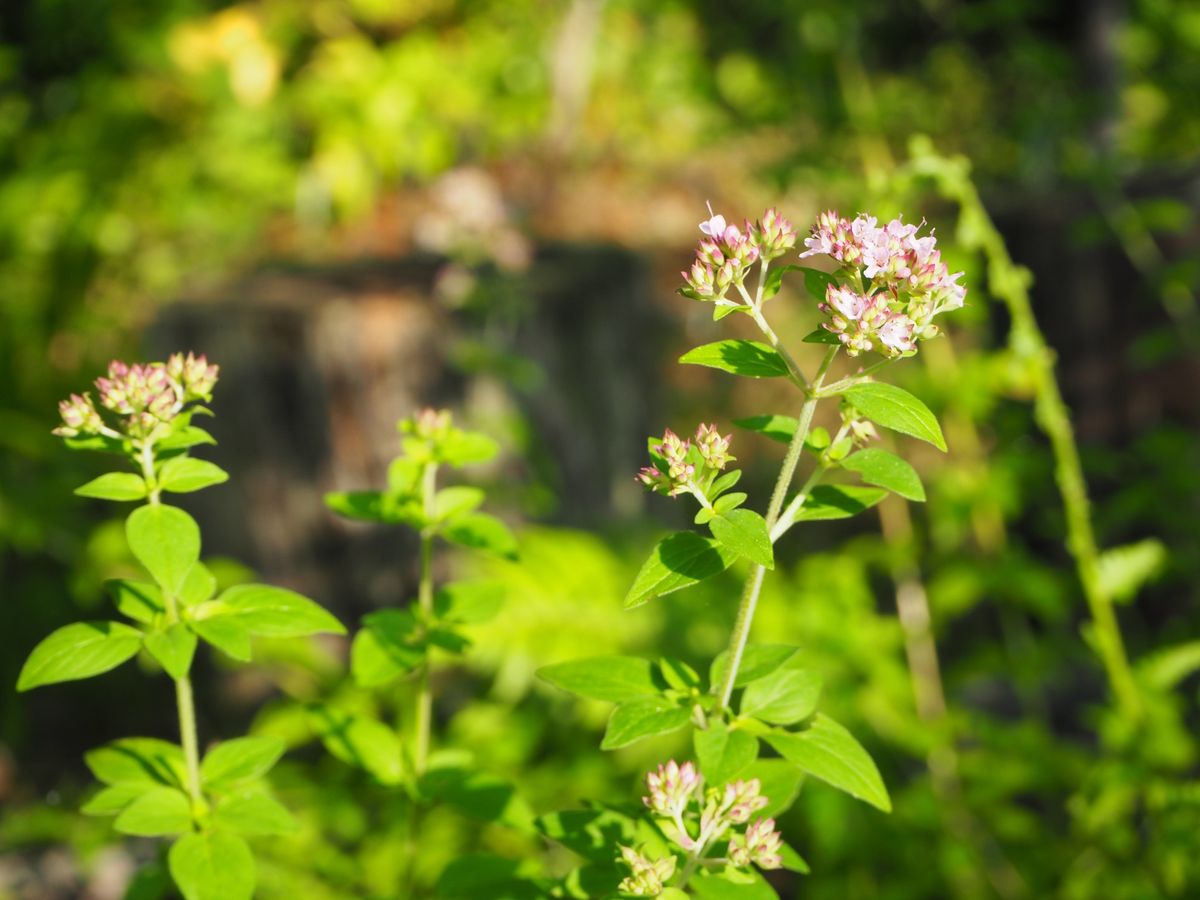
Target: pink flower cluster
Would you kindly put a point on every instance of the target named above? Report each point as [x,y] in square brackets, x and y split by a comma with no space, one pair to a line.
[681,464]
[903,283]
[728,252]
[674,792]
[147,395]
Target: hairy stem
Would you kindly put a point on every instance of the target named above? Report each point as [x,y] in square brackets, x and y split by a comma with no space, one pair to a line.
[749,601]
[424,711]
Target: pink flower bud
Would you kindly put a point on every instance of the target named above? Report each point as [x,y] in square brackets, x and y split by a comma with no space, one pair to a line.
[671,788]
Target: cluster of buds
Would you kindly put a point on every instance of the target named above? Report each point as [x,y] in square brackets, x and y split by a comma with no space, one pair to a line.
[861,431]
[759,845]
[648,877]
[145,395]
[727,253]
[685,464]
[904,283]
[428,425]
[670,788]
[676,793]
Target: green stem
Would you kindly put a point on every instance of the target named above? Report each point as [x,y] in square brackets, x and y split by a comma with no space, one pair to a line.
[749,601]
[1010,283]
[424,711]
[185,701]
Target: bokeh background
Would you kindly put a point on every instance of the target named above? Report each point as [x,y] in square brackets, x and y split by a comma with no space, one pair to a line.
[360,207]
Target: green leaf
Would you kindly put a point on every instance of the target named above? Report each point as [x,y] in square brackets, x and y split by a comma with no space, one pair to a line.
[897,409]
[758,661]
[886,470]
[642,717]
[1124,570]
[364,505]
[750,358]
[723,755]
[732,885]
[816,282]
[110,800]
[173,648]
[729,501]
[142,761]
[777,428]
[213,866]
[122,486]
[198,586]
[389,645]
[277,612]
[139,600]
[611,678]
[678,674]
[783,697]
[829,752]
[725,482]
[779,781]
[157,811]
[240,760]
[793,861]
[821,336]
[679,561]
[481,531]
[79,651]
[745,533]
[187,436]
[775,279]
[838,501]
[481,796]
[469,602]
[462,448]
[183,474]
[253,811]
[165,540]
[360,741]
[227,634]
[454,501]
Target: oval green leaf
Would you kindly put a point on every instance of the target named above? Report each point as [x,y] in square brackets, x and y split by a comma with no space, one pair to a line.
[120,486]
[79,651]
[213,866]
[165,540]
[886,470]
[829,752]
[897,409]
[752,359]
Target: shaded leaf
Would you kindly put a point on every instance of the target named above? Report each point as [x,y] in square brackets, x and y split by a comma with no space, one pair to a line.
[745,533]
[749,358]
[481,531]
[723,754]
[173,649]
[886,470]
[389,645]
[678,561]
[838,501]
[240,760]
[783,697]
[758,661]
[156,811]
[777,428]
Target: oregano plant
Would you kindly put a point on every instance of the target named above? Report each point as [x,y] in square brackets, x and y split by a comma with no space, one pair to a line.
[393,655]
[757,729]
[207,803]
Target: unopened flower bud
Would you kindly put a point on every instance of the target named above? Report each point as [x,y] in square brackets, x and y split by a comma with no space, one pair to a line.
[742,799]
[79,416]
[649,876]
[713,448]
[763,843]
[774,235]
[670,788]
[194,374]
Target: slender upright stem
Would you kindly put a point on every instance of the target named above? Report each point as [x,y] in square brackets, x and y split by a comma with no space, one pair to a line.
[749,601]
[184,700]
[1010,283]
[424,712]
